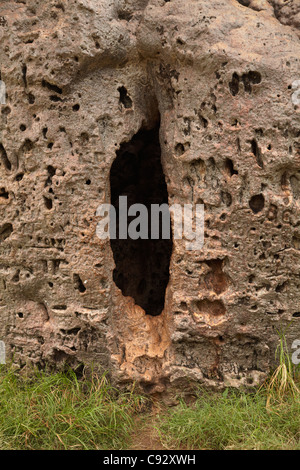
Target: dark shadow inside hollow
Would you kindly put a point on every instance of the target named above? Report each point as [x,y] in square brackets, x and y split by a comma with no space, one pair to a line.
[142,265]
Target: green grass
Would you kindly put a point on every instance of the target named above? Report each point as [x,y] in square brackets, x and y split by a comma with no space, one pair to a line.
[58,411]
[282,383]
[233,420]
[43,410]
[267,419]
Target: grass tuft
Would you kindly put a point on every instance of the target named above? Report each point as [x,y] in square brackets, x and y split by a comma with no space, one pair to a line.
[58,411]
[282,382]
[267,419]
[232,420]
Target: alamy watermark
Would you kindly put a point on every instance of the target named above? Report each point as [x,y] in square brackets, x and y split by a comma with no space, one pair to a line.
[2,92]
[296,353]
[153,223]
[2,353]
[296,94]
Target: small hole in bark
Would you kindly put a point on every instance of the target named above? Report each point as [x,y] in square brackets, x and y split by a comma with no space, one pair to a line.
[6,111]
[257,203]
[31,98]
[234,84]
[230,167]
[51,87]
[254,77]
[48,203]
[55,98]
[5,231]
[60,6]
[179,149]
[245,3]
[27,146]
[24,74]
[16,276]
[4,157]
[19,177]
[125,99]
[124,15]
[78,284]
[203,121]
[51,172]
[4,193]
[257,153]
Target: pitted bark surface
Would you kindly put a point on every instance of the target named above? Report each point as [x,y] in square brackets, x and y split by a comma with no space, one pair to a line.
[83,78]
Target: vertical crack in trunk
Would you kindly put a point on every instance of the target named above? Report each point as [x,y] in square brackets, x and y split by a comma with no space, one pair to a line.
[142,265]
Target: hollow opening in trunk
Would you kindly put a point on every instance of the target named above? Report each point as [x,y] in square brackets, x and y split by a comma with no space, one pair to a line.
[142,264]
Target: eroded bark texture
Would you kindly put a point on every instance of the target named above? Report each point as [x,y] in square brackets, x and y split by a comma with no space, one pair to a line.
[83,77]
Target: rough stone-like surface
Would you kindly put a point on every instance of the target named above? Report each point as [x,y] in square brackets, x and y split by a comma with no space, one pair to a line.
[83,77]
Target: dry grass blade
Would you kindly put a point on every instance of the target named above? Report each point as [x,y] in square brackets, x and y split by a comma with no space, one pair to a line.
[282,381]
